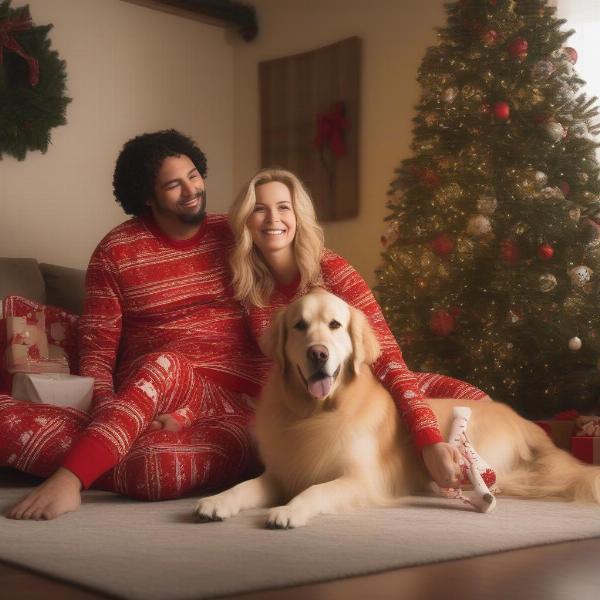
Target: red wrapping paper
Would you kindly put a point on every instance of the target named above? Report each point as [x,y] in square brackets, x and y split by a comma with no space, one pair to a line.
[586,448]
[560,431]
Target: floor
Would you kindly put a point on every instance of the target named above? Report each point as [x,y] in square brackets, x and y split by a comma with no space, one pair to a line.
[567,571]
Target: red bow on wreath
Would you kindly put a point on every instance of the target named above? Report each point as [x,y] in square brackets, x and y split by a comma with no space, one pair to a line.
[330,129]
[7,31]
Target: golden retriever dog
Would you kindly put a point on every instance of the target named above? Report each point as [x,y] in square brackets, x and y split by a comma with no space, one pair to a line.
[331,439]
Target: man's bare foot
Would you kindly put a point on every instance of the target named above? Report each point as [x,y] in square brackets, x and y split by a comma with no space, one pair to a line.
[166,422]
[59,494]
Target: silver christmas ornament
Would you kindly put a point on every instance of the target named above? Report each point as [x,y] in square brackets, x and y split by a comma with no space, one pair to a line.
[478,226]
[555,131]
[580,275]
[575,343]
[541,178]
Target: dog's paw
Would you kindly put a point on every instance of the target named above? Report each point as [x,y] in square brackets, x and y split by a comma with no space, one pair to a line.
[285,517]
[215,508]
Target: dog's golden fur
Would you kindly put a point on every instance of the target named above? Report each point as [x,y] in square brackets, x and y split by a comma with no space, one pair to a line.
[349,448]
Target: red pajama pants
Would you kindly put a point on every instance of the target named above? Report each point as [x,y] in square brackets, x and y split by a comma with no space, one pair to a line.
[215,450]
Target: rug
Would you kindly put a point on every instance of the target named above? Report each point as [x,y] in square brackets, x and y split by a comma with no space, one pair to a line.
[155,551]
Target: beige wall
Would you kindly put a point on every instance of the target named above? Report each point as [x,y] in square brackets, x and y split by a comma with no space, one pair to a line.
[130,69]
[395,35]
[133,69]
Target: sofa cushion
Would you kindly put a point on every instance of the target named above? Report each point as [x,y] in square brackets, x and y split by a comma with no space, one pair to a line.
[61,326]
[65,287]
[21,277]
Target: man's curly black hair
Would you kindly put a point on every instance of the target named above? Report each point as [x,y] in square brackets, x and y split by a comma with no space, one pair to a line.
[139,162]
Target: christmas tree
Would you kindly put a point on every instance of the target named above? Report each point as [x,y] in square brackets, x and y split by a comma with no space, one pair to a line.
[491,263]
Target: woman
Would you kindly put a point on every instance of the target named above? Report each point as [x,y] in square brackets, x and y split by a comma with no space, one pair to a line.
[279,255]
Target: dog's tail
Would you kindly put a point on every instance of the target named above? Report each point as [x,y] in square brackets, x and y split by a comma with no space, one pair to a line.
[545,471]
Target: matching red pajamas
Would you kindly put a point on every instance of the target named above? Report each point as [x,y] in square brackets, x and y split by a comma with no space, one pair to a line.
[160,333]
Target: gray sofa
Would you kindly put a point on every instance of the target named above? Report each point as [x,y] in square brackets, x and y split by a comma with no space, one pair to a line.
[44,283]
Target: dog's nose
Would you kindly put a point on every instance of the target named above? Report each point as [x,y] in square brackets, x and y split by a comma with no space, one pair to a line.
[318,354]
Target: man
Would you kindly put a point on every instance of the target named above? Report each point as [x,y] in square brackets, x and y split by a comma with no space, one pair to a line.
[163,339]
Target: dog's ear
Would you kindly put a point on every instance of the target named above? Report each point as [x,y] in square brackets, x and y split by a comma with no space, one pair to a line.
[364,343]
[272,342]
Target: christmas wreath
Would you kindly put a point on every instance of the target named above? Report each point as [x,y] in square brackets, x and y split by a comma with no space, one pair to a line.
[32,84]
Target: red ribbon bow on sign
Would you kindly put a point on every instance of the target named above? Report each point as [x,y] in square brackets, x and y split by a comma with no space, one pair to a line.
[330,129]
[7,30]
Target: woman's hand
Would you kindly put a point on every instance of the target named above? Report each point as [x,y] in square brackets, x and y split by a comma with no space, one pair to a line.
[445,464]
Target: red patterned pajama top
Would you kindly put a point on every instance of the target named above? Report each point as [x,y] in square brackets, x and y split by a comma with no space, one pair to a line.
[340,278]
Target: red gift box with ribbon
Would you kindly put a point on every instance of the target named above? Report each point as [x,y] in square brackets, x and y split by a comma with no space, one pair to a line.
[585,444]
[586,448]
[560,428]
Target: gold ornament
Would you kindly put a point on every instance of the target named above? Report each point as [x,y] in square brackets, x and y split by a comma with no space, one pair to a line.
[445,163]
[520,228]
[431,118]
[536,97]
[465,247]
[426,259]
[547,282]
[449,94]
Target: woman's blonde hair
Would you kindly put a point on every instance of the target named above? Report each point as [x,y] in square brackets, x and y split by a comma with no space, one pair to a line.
[253,282]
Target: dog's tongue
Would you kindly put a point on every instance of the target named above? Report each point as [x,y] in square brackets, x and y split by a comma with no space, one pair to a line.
[319,388]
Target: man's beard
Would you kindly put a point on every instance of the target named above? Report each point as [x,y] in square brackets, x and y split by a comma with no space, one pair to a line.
[187,218]
[198,217]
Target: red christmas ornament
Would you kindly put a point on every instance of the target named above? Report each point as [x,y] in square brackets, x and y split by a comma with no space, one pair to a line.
[509,250]
[489,37]
[571,54]
[545,252]
[442,245]
[442,323]
[430,178]
[501,110]
[565,188]
[518,48]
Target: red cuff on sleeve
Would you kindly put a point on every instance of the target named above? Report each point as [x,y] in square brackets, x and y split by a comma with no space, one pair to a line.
[88,459]
[427,437]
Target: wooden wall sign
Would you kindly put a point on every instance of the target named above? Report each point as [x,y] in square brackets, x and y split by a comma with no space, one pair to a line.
[309,106]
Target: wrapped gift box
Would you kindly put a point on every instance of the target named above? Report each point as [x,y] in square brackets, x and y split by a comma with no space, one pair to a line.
[586,448]
[560,431]
[58,389]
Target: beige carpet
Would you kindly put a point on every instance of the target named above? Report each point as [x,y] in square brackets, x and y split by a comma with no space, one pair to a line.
[151,551]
